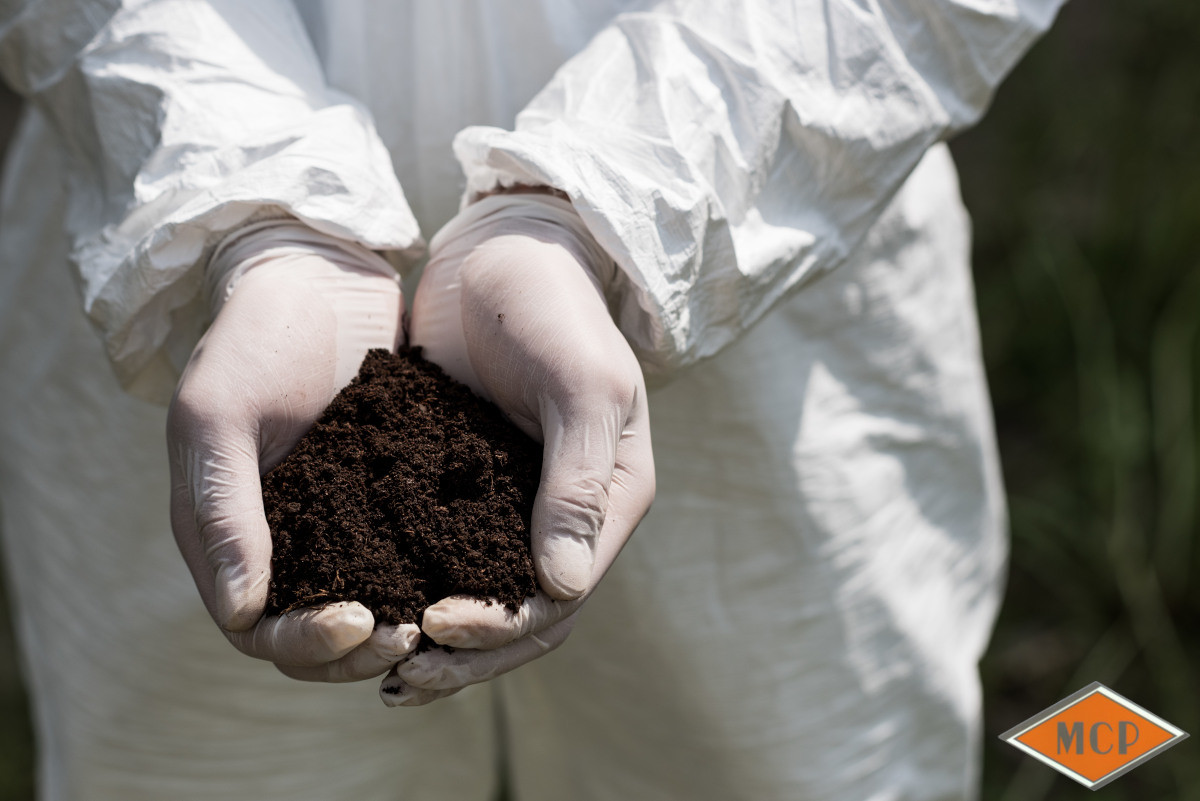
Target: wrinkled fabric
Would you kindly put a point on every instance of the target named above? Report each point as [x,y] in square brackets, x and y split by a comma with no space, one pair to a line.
[801,613]
[180,122]
[727,153]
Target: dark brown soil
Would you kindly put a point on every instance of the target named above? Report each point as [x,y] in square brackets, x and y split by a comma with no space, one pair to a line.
[408,489]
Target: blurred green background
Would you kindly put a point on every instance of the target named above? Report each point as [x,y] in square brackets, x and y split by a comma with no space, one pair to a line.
[1085,189]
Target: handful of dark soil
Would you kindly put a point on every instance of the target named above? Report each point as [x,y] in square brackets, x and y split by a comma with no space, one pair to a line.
[408,489]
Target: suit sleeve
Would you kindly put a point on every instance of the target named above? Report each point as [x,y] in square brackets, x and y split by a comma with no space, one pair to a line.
[183,121]
[725,153]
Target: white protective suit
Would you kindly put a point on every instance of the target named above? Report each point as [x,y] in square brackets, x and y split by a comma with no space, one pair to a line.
[800,615]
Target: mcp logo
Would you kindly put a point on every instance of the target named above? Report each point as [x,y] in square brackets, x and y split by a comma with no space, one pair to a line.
[1094,736]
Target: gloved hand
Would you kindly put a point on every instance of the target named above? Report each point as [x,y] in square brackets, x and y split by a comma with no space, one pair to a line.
[295,312]
[512,304]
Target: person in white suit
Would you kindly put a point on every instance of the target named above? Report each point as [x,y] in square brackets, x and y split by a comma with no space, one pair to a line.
[735,227]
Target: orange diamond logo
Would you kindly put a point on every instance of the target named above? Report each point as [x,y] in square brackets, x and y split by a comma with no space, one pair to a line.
[1094,736]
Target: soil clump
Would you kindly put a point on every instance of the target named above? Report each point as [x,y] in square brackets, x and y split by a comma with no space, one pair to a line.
[408,489]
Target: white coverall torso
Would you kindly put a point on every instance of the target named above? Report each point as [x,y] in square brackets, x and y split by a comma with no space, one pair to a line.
[800,615]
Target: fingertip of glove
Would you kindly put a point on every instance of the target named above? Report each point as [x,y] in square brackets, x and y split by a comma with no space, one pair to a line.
[392,691]
[565,583]
[453,621]
[402,639]
[344,626]
[353,614]
[564,565]
[237,615]
[241,598]
[441,623]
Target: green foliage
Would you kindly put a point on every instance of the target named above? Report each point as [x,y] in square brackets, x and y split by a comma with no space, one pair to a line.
[1086,199]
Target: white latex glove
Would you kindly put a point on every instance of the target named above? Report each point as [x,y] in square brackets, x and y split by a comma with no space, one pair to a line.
[295,312]
[512,304]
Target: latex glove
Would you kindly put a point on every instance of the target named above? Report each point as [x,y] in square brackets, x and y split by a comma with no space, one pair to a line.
[295,314]
[512,304]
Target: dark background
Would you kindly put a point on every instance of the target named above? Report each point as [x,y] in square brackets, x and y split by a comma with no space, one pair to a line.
[1084,184]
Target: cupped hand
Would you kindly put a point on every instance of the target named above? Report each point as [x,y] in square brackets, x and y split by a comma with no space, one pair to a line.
[301,312]
[512,304]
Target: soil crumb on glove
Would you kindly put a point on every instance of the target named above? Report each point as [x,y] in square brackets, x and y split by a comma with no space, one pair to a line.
[407,490]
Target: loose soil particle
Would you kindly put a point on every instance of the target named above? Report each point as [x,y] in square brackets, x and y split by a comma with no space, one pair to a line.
[407,490]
